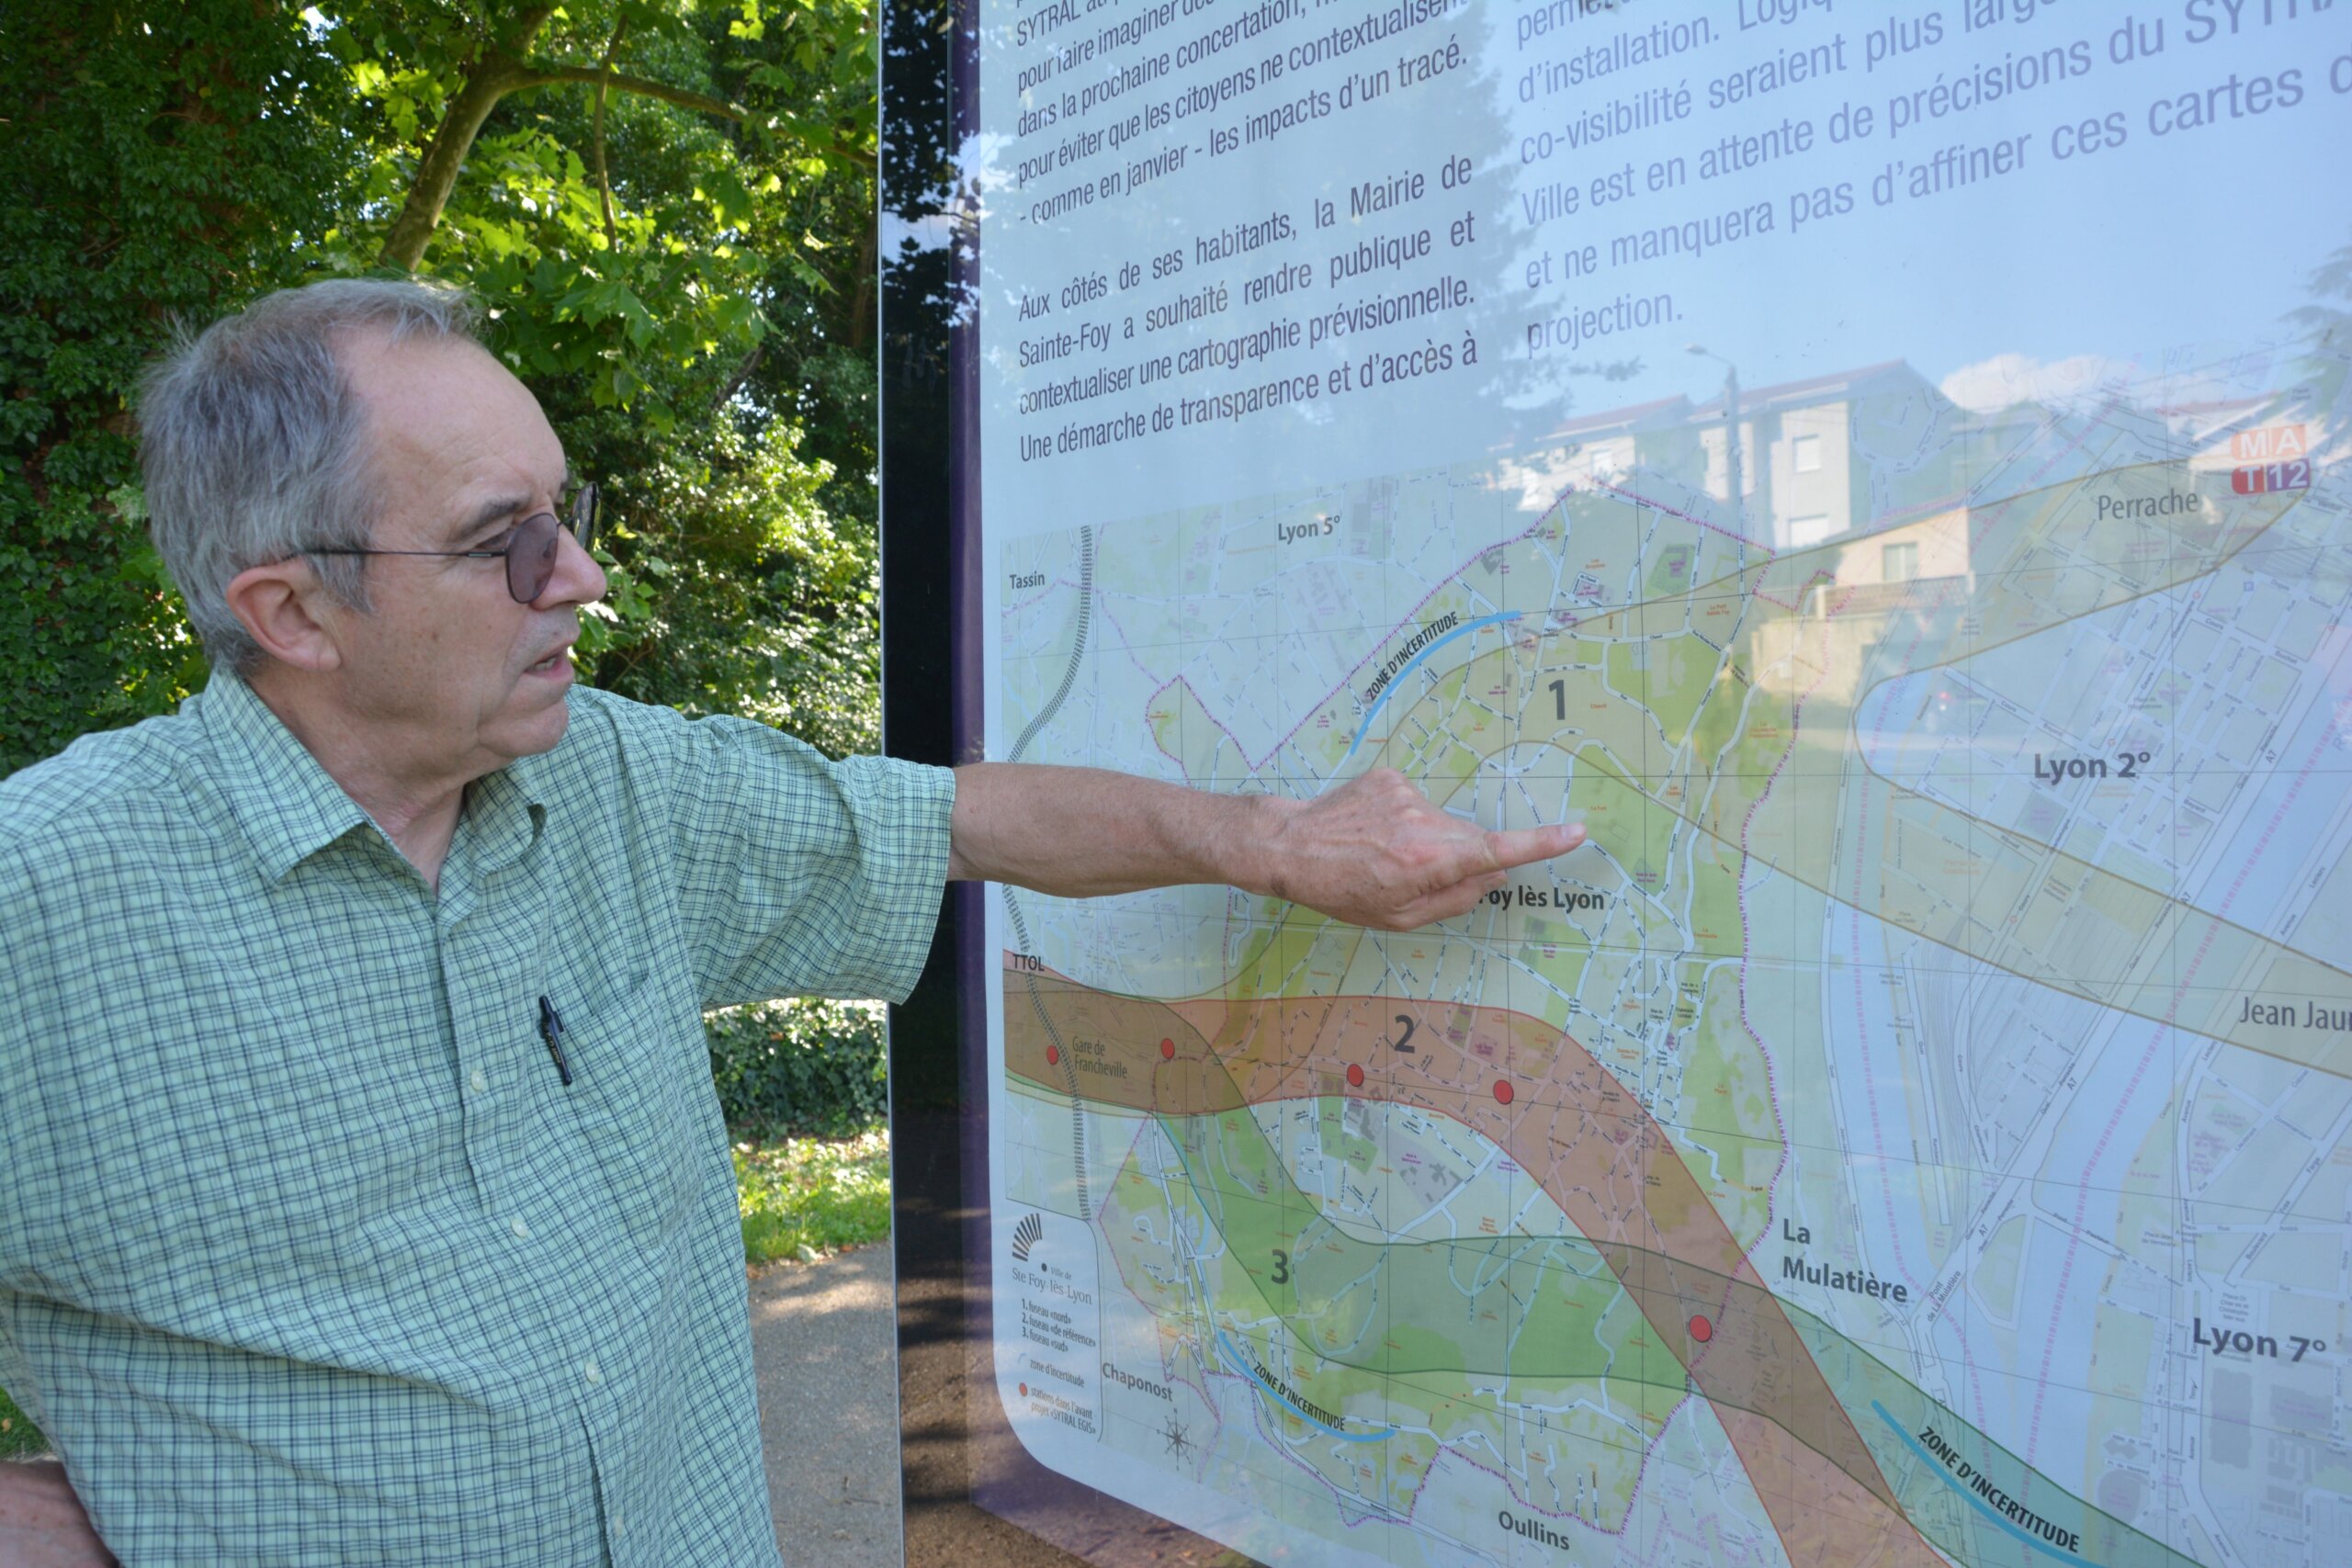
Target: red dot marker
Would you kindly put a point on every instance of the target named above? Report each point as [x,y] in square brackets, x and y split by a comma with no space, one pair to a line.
[1503,1091]
[1167,1049]
[1024,1390]
[1053,1055]
[1355,1076]
[1700,1330]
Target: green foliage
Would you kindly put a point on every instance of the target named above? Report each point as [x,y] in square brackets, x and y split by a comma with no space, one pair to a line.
[767,598]
[676,271]
[802,1198]
[166,161]
[19,1439]
[800,1067]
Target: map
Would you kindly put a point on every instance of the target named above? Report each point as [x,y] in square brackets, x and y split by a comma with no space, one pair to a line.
[1915,1128]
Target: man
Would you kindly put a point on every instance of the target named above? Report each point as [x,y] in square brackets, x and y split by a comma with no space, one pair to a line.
[366,1196]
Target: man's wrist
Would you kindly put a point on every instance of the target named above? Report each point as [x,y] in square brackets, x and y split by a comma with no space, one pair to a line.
[1247,854]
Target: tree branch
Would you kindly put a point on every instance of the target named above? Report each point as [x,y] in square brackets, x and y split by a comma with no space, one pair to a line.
[523,30]
[437,175]
[499,71]
[539,75]
[487,81]
[604,181]
[735,382]
[534,75]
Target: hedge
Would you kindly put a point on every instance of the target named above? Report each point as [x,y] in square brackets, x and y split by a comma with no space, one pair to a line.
[800,1067]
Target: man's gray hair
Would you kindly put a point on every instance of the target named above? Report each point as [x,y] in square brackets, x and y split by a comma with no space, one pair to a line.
[254,443]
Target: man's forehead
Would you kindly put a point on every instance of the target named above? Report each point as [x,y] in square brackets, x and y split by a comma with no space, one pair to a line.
[448,416]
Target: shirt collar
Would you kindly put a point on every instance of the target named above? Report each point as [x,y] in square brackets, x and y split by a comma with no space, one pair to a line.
[504,812]
[289,808]
[288,805]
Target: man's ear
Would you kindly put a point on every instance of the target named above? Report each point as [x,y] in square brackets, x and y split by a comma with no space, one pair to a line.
[285,608]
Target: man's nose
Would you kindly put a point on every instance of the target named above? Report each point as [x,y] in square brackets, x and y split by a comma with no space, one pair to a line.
[577,579]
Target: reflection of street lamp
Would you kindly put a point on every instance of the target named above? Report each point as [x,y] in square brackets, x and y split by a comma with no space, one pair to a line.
[1731,425]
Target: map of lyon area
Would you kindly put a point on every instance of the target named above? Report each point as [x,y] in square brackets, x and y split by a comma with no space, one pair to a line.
[1915,1128]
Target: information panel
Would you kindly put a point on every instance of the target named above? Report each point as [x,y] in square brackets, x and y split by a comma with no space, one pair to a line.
[1878,467]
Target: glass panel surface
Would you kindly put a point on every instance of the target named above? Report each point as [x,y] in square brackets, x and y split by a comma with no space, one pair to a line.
[1880,469]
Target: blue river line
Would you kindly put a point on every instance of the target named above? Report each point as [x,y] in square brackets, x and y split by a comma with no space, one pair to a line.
[1414,663]
[1235,1357]
[1982,1507]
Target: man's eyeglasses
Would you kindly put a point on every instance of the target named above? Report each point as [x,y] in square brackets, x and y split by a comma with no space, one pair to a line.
[529,550]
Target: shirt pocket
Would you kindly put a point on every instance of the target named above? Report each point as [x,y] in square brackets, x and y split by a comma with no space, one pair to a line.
[642,1108]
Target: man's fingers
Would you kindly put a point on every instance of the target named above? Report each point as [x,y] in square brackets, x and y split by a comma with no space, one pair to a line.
[1517,846]
[1478,860]
[1445,903]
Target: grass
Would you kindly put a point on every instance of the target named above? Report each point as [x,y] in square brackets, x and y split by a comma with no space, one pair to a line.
[19,1439]
[801,1199]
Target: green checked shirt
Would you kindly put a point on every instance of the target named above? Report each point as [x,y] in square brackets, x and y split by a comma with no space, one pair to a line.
[306,1254]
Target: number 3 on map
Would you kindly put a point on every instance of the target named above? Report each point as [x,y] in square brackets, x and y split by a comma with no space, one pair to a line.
[1282,1267]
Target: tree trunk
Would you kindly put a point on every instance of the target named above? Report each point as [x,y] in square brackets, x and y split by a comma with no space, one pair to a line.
[437,175]
[502,70]
[498,72]
[861,305]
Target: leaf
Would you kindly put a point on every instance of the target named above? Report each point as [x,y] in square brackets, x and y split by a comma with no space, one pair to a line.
[725,190]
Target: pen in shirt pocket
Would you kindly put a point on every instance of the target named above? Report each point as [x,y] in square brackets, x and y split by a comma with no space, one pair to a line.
[551,1031]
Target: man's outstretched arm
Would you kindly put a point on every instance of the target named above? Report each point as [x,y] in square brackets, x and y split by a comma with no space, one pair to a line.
[1372,852]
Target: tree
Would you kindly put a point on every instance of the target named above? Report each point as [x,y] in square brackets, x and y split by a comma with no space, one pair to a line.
[168,159]
[612,178]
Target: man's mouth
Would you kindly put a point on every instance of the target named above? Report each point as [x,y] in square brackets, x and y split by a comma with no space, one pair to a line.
[549,665]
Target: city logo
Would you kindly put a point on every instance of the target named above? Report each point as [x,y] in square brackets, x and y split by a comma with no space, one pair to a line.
[1025,1237]
[2271,443]
[2276,457]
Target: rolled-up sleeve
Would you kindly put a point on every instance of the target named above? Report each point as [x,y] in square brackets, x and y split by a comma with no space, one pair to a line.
[802,875]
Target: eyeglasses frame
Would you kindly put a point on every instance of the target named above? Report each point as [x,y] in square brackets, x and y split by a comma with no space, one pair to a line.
[580,518]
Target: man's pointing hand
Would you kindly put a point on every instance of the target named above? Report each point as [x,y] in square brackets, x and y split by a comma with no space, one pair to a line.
[1372,852]
[1375,852]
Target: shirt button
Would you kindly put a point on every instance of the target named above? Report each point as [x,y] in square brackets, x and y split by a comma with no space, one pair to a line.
[480,1080]
[522,1232]
[620,1525]
[593,1374]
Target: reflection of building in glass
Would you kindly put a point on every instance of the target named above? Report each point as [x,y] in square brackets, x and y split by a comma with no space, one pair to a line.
[2251,444]
[1819,458]
[1872,471]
